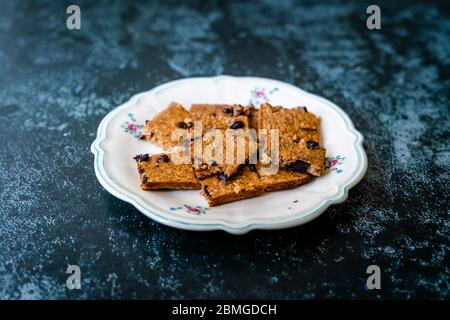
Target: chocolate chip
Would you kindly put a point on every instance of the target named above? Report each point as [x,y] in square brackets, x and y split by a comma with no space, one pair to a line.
[227,110]
[182,125]
[223,178]
[312,145]
[163,158]
[142,137]
[140,170]
[144,179]
[300,166]
[237,125]
[205,190]
[142,157]
[146,121]
[240,110]
[213,114]
[304,109]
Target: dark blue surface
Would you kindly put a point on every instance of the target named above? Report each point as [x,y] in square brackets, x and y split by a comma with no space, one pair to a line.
[56,85]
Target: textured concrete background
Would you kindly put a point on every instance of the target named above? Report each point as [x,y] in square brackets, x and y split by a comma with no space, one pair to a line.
[56,85]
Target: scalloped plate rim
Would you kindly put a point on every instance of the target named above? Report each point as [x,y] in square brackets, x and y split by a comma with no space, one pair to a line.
[242,228]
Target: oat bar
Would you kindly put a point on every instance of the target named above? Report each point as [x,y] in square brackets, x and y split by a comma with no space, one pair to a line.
[299,138]
[226,118]
[159,130]
[220,189]
[159,172]
[283,179]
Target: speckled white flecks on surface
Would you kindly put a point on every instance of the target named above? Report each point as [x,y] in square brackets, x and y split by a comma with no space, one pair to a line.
[57,84]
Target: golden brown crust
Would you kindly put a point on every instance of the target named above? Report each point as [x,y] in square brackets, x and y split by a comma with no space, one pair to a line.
[299,136]
[159,130]
[159,172]
[218,190]
[281,180]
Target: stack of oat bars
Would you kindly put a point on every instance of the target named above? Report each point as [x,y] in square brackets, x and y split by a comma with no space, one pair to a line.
[299,155]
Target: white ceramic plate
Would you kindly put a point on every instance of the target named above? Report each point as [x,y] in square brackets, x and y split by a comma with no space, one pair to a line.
[117,142]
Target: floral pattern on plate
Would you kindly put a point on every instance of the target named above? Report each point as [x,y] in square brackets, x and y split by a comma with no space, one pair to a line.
[333,163]
[131,126]
[259,95]
[196,210]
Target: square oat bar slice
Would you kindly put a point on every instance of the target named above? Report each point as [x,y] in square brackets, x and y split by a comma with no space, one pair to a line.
[227,119]
[299,137]
[159,172]
[219,189]
[283,178]
[159,130]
